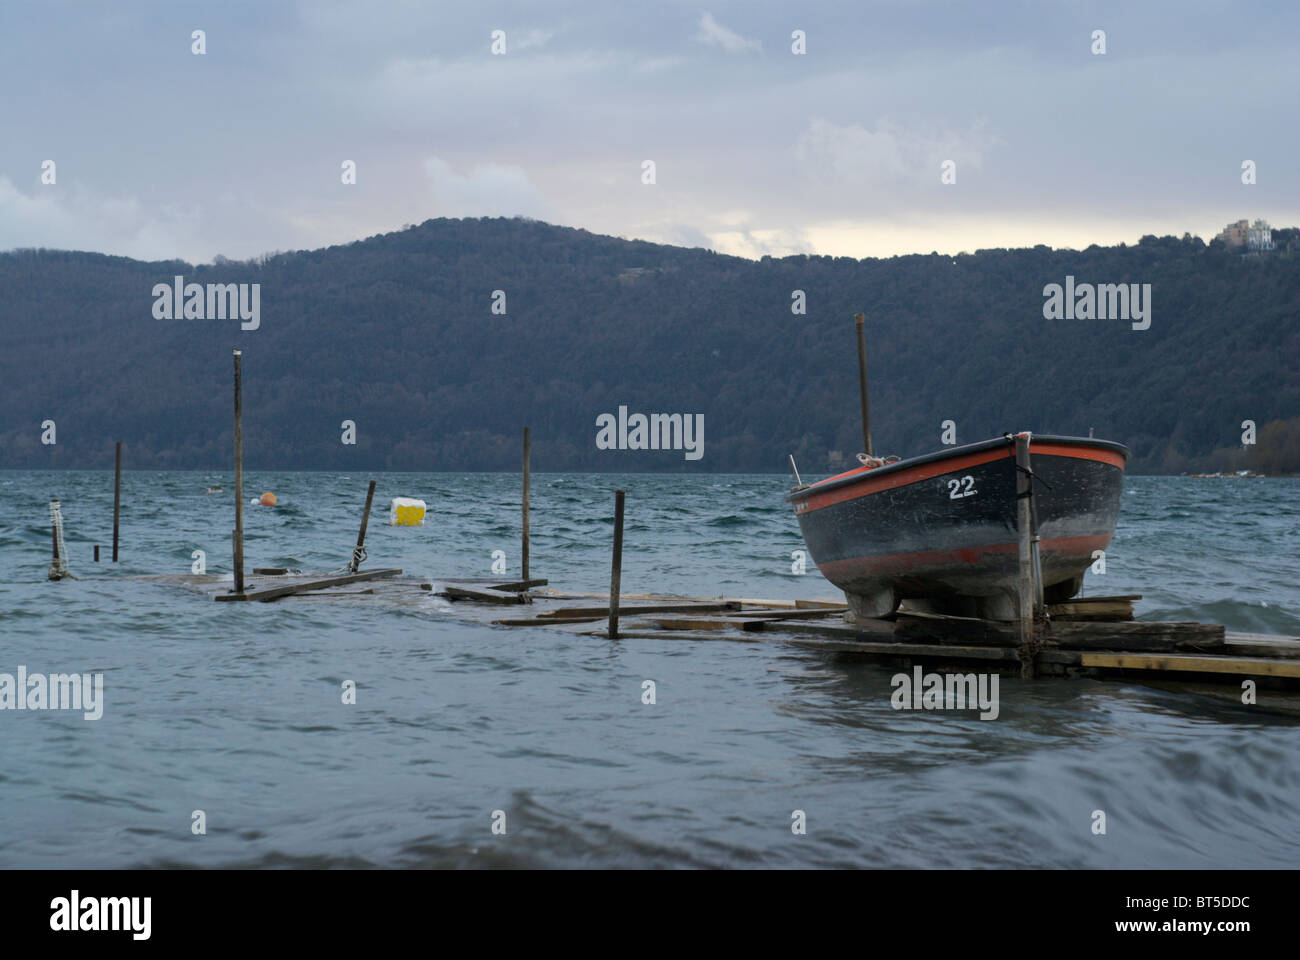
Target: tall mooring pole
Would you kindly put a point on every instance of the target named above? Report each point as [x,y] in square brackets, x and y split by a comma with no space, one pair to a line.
[860,321]
[238,537]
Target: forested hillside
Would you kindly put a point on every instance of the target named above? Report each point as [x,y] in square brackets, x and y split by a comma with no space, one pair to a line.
[397,334]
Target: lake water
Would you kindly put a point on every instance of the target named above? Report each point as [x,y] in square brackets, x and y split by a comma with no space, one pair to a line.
[235,709]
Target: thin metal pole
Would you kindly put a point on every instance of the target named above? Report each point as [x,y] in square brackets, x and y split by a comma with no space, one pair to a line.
[528,446]
[859,321]
[117,495]
[238,538]
[616,568]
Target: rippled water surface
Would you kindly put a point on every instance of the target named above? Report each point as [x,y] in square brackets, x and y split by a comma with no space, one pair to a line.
[235,709]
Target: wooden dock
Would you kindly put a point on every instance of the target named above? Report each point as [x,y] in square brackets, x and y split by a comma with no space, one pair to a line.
[1092,636]
[1086,637]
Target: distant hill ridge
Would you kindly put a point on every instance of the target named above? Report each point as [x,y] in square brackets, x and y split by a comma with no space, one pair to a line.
[397,333]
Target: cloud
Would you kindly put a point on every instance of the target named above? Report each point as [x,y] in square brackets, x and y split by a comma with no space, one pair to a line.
[755,244]
[74,218]
[533,38]
[715,34]
[853,154]
[489,190]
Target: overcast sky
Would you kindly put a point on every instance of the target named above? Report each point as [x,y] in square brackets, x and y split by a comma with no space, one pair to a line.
[162,153]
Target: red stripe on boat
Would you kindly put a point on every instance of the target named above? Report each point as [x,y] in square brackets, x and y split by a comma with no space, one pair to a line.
[901,478]
[898,563]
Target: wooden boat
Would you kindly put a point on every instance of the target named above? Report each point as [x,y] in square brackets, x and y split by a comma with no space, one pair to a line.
[942,527]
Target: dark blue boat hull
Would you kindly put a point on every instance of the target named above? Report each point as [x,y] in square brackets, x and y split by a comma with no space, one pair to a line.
[944,525]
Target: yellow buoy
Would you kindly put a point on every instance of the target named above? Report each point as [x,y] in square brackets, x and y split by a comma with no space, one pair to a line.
[406,512]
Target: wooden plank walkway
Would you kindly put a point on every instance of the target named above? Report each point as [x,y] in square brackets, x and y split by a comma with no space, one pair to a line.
[1094,637]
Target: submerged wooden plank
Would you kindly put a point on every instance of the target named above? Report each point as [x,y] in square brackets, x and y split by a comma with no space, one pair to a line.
[331,593]
[695,623]
[1138,636]
[633,611]
[889,649]
[860,629]
[544,621]
[1192,664]
[674,635]
[815,614]
[275,593]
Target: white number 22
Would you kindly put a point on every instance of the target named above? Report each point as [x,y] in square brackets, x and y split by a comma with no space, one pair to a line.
[965,487]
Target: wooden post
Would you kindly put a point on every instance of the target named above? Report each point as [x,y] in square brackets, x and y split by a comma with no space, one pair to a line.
[117,495]
[238,537]
[1025,586]
[58,563]
[616,569]
[860,321]
[97,553]
[528,446]
[355,562]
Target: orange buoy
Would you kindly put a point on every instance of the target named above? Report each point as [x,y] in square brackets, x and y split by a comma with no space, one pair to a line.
[267,500]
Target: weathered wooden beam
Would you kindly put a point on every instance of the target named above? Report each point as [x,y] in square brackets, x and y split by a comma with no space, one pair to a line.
[1192,664]
[1136,635]
[1093,608]
[517,586]
[453,592]
[327,593]
[288,589]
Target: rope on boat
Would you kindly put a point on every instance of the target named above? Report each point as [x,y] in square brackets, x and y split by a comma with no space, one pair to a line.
[872,462]
[1027,471]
